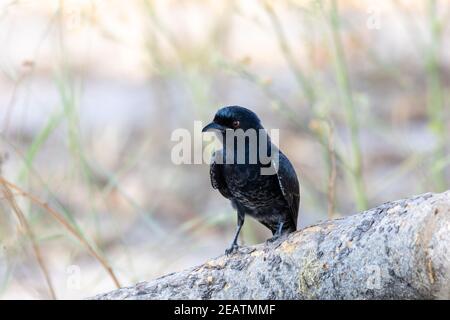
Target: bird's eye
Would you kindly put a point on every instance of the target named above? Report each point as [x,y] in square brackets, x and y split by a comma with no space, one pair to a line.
[236,124]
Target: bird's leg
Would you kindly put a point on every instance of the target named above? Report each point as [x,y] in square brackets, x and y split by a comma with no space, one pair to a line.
[240,223]
[277,233]
[280,228]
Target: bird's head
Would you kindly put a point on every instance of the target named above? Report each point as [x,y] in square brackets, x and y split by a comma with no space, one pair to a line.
[233,118]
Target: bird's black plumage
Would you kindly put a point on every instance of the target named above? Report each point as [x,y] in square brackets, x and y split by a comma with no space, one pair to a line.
[271,199]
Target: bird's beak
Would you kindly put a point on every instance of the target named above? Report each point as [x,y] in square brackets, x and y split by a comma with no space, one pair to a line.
[213,126]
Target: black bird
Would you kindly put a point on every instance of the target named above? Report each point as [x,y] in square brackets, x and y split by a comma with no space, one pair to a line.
[272,199]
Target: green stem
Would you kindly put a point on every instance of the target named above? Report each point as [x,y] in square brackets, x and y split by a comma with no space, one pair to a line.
[435,96]
[347,99]
[308,90]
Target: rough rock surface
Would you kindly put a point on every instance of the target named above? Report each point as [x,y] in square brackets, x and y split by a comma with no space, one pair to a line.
[399,250]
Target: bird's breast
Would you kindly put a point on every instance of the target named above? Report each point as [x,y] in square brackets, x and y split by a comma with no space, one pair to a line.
[250,188]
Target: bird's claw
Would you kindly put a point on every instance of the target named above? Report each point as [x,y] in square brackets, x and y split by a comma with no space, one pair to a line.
[274,239]
[231,249]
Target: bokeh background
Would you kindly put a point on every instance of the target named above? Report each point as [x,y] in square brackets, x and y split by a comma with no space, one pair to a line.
[91,90]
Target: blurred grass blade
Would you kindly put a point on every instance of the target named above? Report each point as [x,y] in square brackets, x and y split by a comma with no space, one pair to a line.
[345,90]
[283,43]
[40,139]
[435,96]
[9,196]
[66,224]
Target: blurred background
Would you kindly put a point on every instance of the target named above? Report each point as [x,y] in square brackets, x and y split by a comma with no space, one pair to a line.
[91,90]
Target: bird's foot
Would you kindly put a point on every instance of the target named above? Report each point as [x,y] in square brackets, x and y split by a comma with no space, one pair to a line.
[273,239]
[230,250]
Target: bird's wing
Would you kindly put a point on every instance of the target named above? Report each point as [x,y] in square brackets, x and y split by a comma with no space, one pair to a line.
[216,174]
[288,181]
